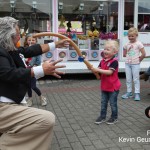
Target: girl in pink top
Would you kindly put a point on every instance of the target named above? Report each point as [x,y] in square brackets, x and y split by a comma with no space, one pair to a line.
[134,53]
[110,83]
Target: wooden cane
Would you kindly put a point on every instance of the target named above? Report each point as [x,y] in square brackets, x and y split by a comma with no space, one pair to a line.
[89,66]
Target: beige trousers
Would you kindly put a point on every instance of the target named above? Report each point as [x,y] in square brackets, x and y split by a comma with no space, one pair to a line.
[25,128]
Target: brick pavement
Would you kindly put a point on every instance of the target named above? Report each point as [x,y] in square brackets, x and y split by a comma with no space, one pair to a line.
[76,104]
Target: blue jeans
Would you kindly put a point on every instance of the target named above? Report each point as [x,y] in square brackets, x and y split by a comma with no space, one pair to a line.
[112,98]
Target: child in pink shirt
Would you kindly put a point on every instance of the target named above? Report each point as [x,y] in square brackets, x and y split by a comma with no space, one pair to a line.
[134,53]
[110,83]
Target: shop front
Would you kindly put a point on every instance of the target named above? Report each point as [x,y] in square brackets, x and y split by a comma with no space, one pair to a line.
[89,23]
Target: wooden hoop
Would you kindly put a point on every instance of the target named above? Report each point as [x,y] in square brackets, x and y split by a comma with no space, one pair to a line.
[72,43]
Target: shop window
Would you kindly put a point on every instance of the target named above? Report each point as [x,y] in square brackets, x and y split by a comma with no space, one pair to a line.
[143,6]
[144,15]
[128,14]
[80,17]
[33,15]
[89,24]
[144,24]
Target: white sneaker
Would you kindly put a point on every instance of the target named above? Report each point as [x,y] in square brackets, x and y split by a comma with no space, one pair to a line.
[29,102]
[43,100]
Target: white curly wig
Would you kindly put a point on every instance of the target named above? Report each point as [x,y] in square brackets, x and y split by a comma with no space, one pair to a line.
[7,31]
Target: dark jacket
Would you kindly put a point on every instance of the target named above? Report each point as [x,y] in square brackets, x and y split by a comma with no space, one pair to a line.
[14,77]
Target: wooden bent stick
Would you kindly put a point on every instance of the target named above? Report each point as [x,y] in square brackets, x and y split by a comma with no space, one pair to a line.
[72,43]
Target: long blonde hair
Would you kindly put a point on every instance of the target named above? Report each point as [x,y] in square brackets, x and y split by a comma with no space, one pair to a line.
[7,31]
[133,30]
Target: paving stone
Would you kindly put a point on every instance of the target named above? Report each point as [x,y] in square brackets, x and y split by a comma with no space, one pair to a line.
[68,131]
[64,143]
[80,133]
[92,136]
[126,148]
[60,135]
[76,105]
[75,127]
[135,145]
[72,138]
[77,146]
[146,147]
[85,141]
[89,148]
[114,148]
[58,128]
[66,148]
[65,124]
[98,144]
[55,147]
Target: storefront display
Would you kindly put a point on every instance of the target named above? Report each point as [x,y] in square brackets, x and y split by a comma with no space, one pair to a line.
[94,55]
[83,44]
[49,55]
[72,55]
[88,23]
[62,54]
